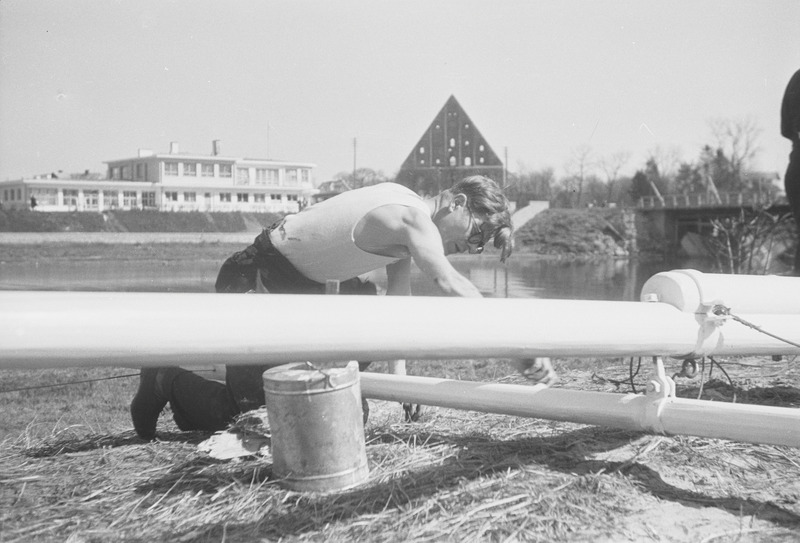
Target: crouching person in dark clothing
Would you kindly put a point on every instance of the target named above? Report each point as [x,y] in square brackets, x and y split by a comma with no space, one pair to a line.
[206,405]
[342,238]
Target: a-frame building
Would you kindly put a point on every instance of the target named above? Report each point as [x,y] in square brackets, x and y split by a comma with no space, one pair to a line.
[450,149]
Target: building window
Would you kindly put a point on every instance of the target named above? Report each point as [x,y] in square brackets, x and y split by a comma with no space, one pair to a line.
[115,173]
[225,170]
[452,161]
[70,198]
[275,197]
[45,197]
[207,170]
[259,197]
[189,196]
[305,176]
[224,196]
[452,142]
[291,197]
[129,198]
[261,176]
[140,171]
[171,196]
[149,199]
[242,176]
[242,197]
[90,199]
[170,168]
[126,172]
[291,178]
[467,161]
[110,199]
[190,169]
[422,150]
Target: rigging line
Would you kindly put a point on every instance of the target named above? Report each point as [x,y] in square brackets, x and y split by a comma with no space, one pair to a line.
[67,383]
[759,329]
[730,381]
[70,383]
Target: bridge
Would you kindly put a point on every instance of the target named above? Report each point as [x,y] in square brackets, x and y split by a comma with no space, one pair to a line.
[734,200]
[675,215]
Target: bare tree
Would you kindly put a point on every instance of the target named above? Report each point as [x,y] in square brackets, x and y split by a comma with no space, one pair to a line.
[611,166]
[362,177]
[667,159]
[738,141]
[578,168]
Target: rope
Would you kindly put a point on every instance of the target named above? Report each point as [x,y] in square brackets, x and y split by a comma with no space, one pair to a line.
[722,310]
[35,387]
[69,383]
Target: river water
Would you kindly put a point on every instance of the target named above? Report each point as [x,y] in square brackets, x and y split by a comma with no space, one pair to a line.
[524,276]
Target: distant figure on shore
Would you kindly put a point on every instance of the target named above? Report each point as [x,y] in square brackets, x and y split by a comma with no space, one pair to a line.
[33,203]
[790,129]
[353,233]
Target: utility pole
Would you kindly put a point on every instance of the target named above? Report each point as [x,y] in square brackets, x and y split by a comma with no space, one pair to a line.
[354,161]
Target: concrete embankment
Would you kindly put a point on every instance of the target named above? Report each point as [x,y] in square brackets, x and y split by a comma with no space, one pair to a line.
[123,238]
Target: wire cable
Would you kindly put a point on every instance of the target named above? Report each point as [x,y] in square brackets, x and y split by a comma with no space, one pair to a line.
[67,383]
[726,311]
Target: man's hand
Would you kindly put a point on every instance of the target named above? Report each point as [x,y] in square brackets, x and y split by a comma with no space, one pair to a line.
[538,370]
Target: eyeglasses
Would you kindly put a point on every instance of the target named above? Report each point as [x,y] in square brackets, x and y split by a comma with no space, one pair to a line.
[475,233]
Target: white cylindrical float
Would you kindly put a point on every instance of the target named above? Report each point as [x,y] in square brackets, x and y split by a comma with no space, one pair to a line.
[51,329]
[670,415]
[692,291]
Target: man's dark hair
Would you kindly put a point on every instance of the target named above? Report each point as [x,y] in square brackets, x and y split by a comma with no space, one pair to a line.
[486,199]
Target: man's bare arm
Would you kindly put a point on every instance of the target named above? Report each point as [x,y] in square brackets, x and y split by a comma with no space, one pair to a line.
[399,278]
[425,245]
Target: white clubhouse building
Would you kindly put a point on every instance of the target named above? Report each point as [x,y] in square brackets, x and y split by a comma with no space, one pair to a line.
[171,181]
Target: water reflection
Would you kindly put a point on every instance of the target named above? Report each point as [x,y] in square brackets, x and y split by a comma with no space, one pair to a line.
[523,277]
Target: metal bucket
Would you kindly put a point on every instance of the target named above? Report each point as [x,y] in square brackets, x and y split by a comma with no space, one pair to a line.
[317,426]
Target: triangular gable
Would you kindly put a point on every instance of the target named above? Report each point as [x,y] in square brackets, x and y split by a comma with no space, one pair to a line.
[451,148]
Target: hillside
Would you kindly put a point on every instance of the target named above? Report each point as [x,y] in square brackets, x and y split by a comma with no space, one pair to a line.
[133,221]
[577,233]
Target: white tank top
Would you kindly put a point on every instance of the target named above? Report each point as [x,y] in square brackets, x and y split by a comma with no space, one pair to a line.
[319,240]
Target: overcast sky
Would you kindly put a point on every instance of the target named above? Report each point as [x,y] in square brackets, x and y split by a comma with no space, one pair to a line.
[86,81]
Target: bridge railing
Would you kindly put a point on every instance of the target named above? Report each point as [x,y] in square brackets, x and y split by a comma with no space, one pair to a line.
[726,199]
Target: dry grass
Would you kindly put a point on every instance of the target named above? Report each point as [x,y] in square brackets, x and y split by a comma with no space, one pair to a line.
[72,470]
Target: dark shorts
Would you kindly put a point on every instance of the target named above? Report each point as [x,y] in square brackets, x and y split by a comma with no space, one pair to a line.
[278,276]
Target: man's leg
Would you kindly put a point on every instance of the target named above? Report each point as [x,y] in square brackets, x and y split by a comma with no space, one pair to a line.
[147,404]
[196,403]
[792,185]
[200,404]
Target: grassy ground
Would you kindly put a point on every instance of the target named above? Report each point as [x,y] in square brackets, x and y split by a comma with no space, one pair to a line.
[71,469]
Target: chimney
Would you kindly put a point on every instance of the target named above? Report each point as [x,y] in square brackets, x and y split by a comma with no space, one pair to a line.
[145,152]
[173,147]
[216,147]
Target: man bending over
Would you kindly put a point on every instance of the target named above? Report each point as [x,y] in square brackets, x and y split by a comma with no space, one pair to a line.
[353,233]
